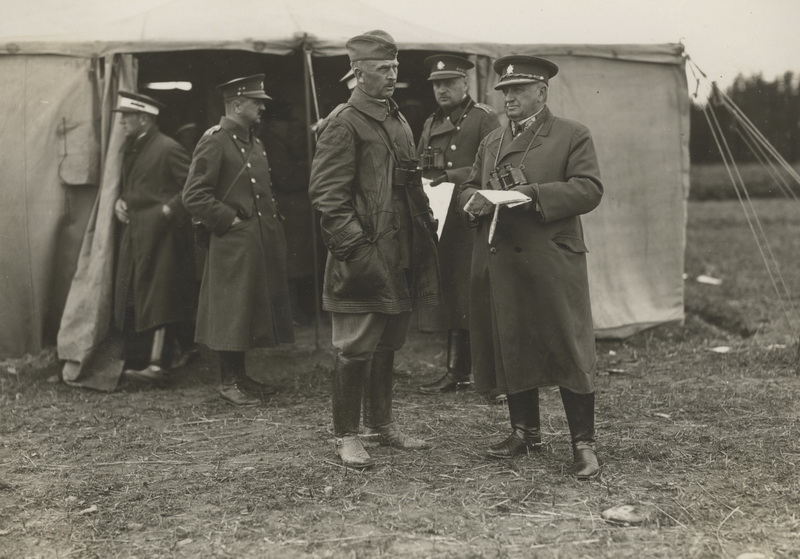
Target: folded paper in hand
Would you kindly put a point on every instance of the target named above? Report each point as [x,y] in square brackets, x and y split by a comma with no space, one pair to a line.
[496,198]
[508,198]
[439,199]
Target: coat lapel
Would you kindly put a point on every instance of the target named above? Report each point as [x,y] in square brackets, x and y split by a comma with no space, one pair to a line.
[520,143]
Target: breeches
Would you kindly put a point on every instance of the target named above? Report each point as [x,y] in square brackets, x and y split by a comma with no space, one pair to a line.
[358,335]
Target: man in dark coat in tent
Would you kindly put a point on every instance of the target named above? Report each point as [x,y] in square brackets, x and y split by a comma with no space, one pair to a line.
[530,314]
[244,295]
[450,138]
[379,230]
[155,293]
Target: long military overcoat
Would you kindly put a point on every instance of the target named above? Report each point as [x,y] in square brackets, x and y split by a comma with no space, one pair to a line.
[156,256]
[458,136]
[244,295]
[530,316]
[361,212]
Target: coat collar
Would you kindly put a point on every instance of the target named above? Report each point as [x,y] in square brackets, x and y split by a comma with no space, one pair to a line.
[372,107]
[236,129]
[136,144]
[544,122]
[456,113]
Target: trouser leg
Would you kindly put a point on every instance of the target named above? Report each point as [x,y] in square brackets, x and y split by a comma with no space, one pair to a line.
[526,434]
[579,409]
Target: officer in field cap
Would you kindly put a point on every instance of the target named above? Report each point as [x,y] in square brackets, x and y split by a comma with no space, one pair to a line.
[530,310]
[381,261]
[154,294]
[450,138]
[244,294]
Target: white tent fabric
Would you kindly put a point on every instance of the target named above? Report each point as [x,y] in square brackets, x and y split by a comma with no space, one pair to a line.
[633,97]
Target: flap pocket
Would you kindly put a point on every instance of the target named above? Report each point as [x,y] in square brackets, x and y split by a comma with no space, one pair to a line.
[571,243]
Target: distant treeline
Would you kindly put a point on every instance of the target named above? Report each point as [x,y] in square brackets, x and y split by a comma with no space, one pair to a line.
[774,108]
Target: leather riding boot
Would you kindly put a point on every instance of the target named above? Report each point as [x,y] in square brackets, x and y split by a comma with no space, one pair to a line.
[231,370]
[580,417]
[378,405]
[523,410]
[347,385]
[459,365]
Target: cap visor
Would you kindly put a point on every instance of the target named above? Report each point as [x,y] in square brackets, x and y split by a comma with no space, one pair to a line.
[515,81]
[445,76]
[257,96]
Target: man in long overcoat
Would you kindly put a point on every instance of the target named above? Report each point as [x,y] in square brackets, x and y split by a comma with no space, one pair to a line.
[244,296]
[531,319]
[379,231]
[155,292]
[447,147]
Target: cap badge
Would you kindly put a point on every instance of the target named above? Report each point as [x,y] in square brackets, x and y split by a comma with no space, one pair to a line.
[440,65]
[262,85]
[510,69]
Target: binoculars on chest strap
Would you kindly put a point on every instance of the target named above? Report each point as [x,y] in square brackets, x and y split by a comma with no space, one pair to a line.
[432,158]
[507,177]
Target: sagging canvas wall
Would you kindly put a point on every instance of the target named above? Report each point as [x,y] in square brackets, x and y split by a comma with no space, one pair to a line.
[48,176]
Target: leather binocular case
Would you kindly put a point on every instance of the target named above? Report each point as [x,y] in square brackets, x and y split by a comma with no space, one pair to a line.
[407,174]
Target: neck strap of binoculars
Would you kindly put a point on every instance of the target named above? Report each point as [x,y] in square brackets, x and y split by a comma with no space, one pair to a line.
[524,155]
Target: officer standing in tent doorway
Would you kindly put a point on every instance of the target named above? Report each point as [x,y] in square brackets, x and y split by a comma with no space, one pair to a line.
[380,234]
[530,314]
[155,293]
[447,147]
[244,294]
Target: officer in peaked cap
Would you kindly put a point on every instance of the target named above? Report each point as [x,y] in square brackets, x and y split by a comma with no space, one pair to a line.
[518,69]
[244,294]
[250,86]
[447,147]
[154,293]
[530,312]
[137,103]
[376,222]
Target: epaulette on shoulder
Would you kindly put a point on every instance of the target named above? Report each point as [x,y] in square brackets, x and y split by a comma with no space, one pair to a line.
[484,108]
[213,130]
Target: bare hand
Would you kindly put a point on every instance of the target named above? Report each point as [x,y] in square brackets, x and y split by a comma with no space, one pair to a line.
[236,221]
[166,210]
[121,210]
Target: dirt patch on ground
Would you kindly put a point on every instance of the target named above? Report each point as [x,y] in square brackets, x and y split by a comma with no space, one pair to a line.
[705,442]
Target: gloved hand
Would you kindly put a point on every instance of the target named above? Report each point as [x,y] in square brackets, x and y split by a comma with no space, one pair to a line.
[121,210]
[439,180]
[478,206]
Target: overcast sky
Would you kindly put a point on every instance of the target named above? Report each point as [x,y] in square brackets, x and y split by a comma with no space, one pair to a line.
[724,37]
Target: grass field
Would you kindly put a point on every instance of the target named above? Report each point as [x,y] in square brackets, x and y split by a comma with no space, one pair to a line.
[706,444]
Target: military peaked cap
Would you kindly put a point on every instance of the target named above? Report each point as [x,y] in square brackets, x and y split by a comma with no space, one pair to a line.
[446,66]
[250,86]
[517,69]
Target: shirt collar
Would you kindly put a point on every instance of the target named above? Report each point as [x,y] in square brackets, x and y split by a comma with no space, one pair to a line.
[522,125]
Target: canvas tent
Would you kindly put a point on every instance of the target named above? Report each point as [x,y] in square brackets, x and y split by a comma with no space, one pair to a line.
[59,170]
